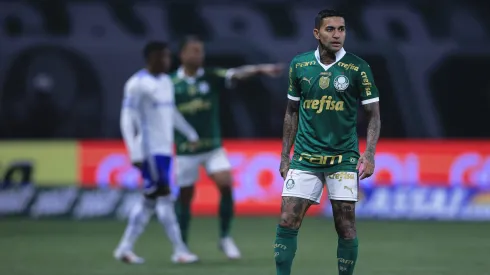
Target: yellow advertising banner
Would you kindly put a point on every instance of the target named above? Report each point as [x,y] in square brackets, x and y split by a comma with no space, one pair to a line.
[53,162]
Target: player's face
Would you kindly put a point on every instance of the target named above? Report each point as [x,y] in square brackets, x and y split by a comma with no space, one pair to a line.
[193,54]
[331,33]
[162,60]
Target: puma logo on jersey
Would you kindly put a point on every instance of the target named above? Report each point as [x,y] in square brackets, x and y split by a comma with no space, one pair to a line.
[348,188]
[307,80]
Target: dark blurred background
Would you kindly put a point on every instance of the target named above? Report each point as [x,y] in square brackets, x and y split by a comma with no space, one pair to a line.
[63,63]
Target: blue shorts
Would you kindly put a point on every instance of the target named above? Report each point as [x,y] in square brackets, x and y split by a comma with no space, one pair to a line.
[156,173]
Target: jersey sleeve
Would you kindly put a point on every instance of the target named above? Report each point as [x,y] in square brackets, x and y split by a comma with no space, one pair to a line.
[366,86]
[226,75]
[294,90]
[130,122]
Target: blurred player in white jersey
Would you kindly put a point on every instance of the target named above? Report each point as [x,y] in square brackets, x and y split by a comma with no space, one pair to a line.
[148,118]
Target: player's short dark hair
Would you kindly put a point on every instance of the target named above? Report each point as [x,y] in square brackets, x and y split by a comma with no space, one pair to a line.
[153,46]
[188,39]
[324,14]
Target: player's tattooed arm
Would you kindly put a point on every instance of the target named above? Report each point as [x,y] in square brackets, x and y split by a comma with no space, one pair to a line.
[374,128]
[290,128]
[365,165]
[293,211]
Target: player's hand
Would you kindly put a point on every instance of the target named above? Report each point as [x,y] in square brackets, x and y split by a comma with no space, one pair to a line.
[272,70]
[365,165]
[138,164]
[192,145]
[284,167]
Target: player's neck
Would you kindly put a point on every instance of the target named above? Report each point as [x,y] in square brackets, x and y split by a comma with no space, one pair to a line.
[327,57]
[152,71]
[190,71]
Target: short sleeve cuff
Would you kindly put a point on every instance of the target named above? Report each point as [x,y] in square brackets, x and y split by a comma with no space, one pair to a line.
[369,101]
[295,98]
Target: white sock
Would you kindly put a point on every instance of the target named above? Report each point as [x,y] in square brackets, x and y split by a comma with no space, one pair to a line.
[138,219]
[166,215]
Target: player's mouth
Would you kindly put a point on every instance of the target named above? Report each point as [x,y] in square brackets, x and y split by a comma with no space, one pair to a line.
[336,44]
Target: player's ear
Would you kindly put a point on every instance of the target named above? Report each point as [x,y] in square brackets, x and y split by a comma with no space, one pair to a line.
[316,34]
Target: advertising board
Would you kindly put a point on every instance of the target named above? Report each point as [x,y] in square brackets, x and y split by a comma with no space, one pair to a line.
[414,179]
[43,163]
[420,164]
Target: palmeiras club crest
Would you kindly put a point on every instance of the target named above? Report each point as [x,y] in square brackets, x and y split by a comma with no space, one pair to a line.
[203,87]
[289,184]
[341,83]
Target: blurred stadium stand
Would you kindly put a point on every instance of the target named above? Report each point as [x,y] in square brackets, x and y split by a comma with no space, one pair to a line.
[61,75]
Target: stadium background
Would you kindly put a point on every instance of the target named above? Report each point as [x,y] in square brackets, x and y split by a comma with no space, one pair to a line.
[62,68]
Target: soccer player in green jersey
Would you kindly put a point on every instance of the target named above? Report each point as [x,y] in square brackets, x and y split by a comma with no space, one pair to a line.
[325,87]
[197,90]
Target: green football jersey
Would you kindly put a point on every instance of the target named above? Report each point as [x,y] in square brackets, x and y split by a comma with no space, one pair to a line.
[197,98]
[326,140]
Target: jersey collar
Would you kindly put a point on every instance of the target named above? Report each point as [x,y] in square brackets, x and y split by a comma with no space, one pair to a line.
[189,79]
[338,56]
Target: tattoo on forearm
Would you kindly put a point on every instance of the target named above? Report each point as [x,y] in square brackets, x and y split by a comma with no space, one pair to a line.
[290,127]
[374,127]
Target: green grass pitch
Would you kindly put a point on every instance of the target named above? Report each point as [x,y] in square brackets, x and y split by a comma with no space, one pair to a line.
[62,247]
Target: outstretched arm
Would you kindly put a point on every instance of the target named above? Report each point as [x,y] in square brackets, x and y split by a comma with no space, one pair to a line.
[248,71]
[290,128]
[374,128]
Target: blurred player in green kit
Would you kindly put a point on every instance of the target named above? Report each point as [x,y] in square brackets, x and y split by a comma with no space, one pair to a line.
[325,87]
[197,90]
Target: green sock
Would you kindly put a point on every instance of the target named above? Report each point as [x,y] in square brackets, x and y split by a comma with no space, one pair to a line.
[226,212]
[183,211]
[285,249]
[347,255]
